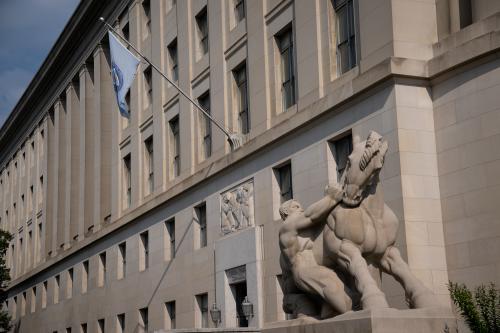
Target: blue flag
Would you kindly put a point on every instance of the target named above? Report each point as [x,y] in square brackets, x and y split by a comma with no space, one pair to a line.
[123,71]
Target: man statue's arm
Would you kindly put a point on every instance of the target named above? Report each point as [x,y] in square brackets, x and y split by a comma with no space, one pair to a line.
[318,211]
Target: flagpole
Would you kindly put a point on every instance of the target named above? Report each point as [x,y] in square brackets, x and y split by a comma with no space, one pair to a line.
[235,139]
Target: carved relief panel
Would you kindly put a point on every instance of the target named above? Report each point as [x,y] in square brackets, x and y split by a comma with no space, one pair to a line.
[237,208]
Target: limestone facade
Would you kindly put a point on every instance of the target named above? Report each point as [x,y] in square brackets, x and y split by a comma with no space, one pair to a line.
[119,225]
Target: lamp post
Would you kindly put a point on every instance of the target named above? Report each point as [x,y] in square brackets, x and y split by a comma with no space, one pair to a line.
[215,314]
[247,308]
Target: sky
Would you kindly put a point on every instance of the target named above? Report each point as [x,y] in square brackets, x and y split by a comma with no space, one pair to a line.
[28,30]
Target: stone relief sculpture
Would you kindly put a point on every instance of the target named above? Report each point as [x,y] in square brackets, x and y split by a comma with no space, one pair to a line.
[326,249]
[237,208]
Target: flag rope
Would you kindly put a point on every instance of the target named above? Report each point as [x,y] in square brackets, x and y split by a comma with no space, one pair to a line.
[235,139]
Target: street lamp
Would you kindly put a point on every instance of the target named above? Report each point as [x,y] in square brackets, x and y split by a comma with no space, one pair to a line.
[215,314]
[247,308]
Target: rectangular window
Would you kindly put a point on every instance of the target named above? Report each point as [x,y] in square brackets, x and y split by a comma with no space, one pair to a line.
[172,54]
[122,260]
[148,144]
[341,149]
[346,35]
[143,319]
[120,323]
[175,146]
[465,12]
[240,79]
[144,255]
[101,278]
[29,247]
[170,315]
[205,126]
[202,24]
[146,6]
[85,276]
[69,283]
[39,242]
[83,328]
[170,239]
[101,326]
[239,10]
[201,219]
[68,330]
[126,32]
[57,285]
[40,190]
[202,311]
[148,85]
[285,46]
[14,308]
[33,299]
[23,304]
[284,177]
[31,206]
[127,180]
[44,294]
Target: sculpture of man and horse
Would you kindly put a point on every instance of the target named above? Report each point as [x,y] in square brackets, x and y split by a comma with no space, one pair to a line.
[326,249]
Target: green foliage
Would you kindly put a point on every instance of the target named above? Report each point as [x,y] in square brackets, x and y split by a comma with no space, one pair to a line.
[5,238]
[481,309]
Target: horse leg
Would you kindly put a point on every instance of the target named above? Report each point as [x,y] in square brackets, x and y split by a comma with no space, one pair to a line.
[350,257]
[418,294]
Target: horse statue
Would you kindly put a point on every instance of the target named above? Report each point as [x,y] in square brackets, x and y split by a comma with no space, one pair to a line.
[358,230]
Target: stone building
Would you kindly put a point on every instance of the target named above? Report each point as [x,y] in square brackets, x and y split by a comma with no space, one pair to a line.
[133,225]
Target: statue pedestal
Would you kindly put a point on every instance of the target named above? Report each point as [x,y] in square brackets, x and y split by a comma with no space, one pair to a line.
[439,320]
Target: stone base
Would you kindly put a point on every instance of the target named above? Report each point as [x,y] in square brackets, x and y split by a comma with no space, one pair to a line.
[439,320]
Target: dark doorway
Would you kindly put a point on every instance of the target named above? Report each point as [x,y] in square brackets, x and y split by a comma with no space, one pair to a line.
[239,291]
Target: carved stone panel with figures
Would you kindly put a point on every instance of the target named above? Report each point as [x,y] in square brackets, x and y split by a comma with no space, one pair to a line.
[237,208]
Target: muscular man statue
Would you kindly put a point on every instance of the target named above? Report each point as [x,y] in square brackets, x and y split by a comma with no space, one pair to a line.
[297,257]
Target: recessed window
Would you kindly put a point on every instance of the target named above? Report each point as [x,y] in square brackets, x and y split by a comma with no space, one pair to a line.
[146,7]
[240,80]
[127,180]
[148,144]
[85,276]
[175,146]
[201,225]
[287,67]
[284,177]
[23,304]
[346,35]
[205,126]
[69,283]
[144,248]
[57,285]
[202,24]
[122,260]
[239,10]
[172,54]
[148,86]
[201,311]
[101,326]
[120,323]
[144,319]
[44,294]
[341,149]
[101,276]
[33,299]
[170,239]
[83,328]
[170,315]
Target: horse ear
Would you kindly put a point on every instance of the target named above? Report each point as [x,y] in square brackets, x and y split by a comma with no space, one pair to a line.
[356,139]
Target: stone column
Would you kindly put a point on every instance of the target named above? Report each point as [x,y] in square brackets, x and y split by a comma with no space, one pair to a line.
[74,159]
[60,114]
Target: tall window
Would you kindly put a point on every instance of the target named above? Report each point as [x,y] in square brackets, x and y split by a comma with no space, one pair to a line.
[69,283]
[341,150]
[148,85]
[33,299]
[465,12]
[127,179]
[284,177]
[148,144]
[170,239]
[202,311]
[83,328]
[102,269]
[120,322]
[23,304]
[38,241]
[240,79]
[201,219]
[144,254]
[126,32]
[57,285]
[101,326]
[40,190]
[143,319]
[346,35]
[202,24]
[175,146]
[170,315]
[172,54]
[146,6]
[122,260]
[285,46]
[239,10]
[206,126]
[85,276]
[44,294]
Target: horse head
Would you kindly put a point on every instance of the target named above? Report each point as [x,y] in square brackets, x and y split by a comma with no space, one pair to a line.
[363,167]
